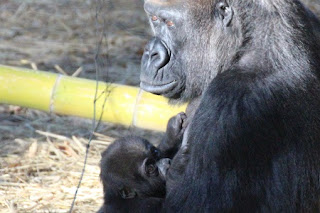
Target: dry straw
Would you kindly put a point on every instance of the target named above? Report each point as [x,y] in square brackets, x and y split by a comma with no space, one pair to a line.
[44,179]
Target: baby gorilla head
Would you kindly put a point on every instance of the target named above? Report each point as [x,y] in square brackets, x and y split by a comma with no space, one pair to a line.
[132,170]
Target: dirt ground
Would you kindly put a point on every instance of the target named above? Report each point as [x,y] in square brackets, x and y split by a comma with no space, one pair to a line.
[41,154]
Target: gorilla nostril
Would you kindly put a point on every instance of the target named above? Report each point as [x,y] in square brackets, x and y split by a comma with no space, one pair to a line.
[153,55]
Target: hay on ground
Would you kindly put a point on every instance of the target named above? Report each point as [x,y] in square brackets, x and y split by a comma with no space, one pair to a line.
[44,179]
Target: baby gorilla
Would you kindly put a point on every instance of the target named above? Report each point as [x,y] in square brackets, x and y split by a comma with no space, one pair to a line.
[133,171]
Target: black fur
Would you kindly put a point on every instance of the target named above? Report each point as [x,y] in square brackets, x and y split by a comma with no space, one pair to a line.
[254,141]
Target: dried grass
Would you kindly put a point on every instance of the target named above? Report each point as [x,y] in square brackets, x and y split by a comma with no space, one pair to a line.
[45,177]
[41,159]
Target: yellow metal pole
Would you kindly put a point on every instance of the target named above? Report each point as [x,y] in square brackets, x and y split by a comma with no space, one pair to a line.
[65,95]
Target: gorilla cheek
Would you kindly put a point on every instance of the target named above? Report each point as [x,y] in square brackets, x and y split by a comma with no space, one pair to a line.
[156,77]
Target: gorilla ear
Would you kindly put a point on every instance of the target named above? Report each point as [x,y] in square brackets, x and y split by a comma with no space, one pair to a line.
[127,193]
[225,12]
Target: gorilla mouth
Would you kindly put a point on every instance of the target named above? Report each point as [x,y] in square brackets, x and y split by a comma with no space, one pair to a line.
[158,88]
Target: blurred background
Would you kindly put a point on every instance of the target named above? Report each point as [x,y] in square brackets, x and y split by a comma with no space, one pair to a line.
[41,154]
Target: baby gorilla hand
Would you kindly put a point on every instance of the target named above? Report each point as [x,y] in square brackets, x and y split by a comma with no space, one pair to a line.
[176,127]
[174,134]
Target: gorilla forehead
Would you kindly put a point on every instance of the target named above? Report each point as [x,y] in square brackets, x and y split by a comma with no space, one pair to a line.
[164,9]
[157,5]
[160,3]
[124,153]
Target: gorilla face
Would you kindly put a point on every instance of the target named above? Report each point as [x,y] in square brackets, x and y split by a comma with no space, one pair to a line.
[134,167]
[161,61]
[173,63]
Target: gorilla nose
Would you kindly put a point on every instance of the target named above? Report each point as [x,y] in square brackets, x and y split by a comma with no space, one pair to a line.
[156,53]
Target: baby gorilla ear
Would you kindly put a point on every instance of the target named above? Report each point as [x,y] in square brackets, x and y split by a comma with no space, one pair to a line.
[127,193]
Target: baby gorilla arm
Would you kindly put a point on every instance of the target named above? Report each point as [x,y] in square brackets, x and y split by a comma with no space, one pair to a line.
[172,140]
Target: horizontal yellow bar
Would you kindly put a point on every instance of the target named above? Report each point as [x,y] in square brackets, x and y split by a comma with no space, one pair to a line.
[61,94]
[26,88]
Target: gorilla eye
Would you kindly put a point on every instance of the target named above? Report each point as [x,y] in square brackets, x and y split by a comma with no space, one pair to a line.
[150,167]
[170,23]
[154,18]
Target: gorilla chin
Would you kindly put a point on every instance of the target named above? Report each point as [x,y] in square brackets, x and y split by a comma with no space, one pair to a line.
[160,89]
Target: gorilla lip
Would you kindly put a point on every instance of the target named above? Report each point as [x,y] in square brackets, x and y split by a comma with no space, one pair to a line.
[158,89]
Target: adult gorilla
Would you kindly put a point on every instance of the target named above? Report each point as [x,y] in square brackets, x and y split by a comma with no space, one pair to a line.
[254,141]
